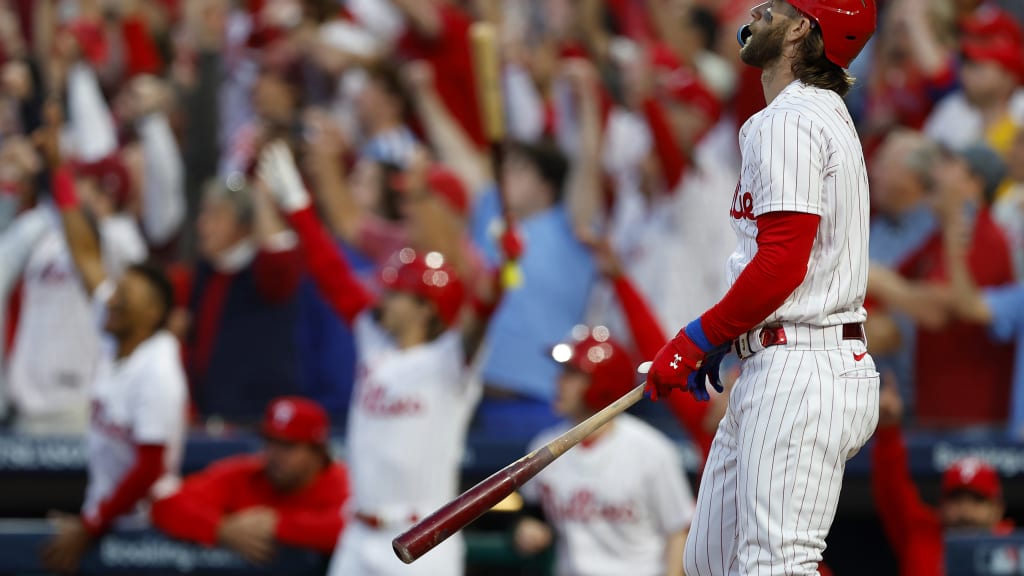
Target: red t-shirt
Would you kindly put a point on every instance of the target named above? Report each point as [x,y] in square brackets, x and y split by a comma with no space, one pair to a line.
[451,57]
[962,376]
[310,518]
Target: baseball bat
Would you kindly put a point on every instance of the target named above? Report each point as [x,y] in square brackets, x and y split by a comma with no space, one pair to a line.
[426,534]
[487,71]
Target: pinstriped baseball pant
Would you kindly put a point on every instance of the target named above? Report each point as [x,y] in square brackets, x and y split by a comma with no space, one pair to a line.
[770,488]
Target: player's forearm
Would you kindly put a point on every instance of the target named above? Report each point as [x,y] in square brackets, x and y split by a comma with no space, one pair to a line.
[784,244]
[314,530]
[80,236]
[674,548]
[185,517]
[330,270]
[134,486]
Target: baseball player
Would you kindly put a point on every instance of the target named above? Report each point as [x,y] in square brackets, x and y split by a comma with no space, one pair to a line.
[413,396]
[807,396]
[619,503]
[138,396]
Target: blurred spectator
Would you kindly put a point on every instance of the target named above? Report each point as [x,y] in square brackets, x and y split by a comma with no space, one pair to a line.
[55,320]
[990,105]
[438,31]
[914,66]
[290,494]
[1008,210]
[384,108]
[16,242]
[902,175]
[950,352]
[414,394]
[139,396]
[242,345]
[999,308]
[971,499]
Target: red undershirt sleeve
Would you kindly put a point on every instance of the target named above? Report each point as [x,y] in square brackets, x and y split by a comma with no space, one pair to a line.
[327,265]
[134,486]
[784,243]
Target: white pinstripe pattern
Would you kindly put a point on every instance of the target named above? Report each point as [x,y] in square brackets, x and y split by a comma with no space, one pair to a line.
[802,154]
[798,412]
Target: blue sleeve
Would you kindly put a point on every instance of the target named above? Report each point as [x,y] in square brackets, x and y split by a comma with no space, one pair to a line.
[1007,306]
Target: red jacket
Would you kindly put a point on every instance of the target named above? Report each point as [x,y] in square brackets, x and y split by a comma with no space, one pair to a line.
[913,528]
[308,519]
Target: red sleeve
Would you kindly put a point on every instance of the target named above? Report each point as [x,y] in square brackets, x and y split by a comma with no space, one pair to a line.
[784,242]
[327,265]
[649,340]
[142,53]
[195,511]
[897,500]
[670,155]
[317,529]
[134,486]
[277,274]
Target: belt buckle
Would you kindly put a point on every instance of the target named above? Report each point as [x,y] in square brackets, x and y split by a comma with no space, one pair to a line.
[743,350]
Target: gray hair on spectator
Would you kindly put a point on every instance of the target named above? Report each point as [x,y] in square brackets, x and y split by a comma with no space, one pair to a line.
[923,158]
[235,190]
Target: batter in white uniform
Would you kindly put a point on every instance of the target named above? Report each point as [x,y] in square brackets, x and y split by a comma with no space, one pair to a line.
[413,398]
[619,502]
[807,396]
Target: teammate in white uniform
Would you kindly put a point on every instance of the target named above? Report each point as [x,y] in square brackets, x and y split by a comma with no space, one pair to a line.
[619,502]
[413,397]
[807,396]
[139,394]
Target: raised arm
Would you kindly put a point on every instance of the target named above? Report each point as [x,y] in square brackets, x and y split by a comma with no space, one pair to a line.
[454,147]
[342,213]
[163,184]
[584,193]
[81,238]
[968,301]
[332,274]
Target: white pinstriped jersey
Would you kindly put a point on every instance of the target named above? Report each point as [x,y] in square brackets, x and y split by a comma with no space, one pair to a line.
[615,502]
[802,154]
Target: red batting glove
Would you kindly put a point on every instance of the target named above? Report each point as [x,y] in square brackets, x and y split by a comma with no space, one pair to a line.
[673,365]
[62,189]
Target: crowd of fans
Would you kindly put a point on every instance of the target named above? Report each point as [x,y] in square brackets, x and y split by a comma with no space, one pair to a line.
[621,160]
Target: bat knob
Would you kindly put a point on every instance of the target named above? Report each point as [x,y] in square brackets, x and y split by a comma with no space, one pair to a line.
[402,551]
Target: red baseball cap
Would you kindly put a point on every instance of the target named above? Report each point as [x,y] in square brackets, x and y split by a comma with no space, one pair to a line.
[295,419]
[974,475]
[991,22]
[1000,50]
[444,184]
[686,88]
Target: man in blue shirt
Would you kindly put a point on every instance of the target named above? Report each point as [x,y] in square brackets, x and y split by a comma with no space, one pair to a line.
[557,271]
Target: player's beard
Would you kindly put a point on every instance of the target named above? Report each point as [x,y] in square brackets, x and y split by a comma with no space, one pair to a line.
[763,47]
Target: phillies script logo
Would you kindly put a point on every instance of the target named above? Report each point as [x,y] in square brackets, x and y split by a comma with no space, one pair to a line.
[102,422]
[742,205]
[584,506]
[376,400]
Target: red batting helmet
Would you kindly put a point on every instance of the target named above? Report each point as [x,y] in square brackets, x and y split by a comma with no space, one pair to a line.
[604,360]
[428,277]
[846,25]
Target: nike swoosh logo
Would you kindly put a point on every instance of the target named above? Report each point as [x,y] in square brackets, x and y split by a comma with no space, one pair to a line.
[859,357]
